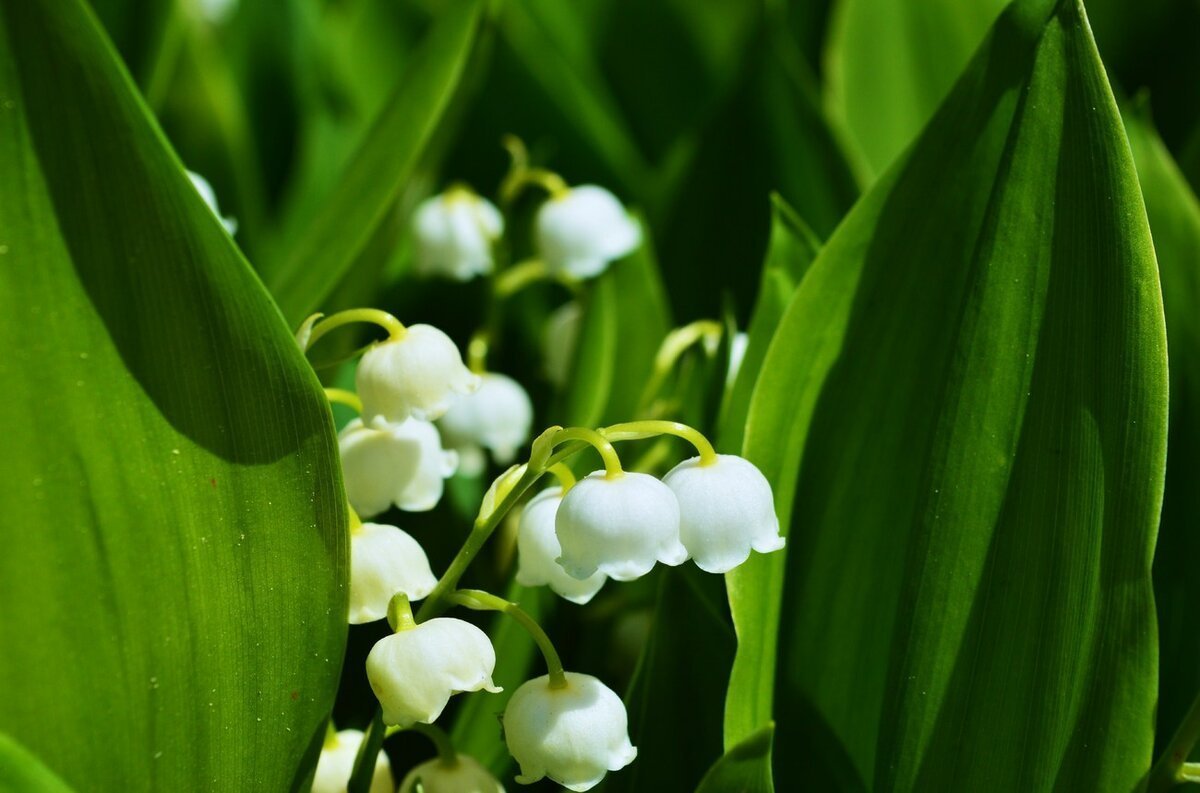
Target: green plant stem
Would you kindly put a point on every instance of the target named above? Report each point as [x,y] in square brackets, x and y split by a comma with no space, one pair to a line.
[374,316]
[1172,768]
[364,761]
[636,430]
[340,396]
[486,601]
[441,741]
[612,462]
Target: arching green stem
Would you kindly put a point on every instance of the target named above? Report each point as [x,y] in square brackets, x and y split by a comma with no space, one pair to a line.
[1173,768]
[340,396]
[441,741]
[486,601]
[612,462]
[373,316]
[636,430]
[563,474]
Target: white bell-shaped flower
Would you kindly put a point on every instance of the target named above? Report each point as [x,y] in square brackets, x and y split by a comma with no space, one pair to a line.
[419,375]
[464,775]
[725,509]
[336,763]
[387,463]
[574,735]
[210,197]
[620,526]
[497,417]
[538,551]
[454,233]
[415,671]
[385,560]
[580,231]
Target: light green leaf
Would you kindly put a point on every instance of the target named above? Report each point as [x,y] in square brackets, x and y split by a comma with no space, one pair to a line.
[174,561]
[360,204]
[1174,216]
[21,772]
[746,768]
[970,385]
[792,249]
[890,63]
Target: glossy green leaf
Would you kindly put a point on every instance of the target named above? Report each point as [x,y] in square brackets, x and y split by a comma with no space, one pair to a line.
[360,203]
[970,385]
[1174,214]
[173,508]
[21,772]
[792,249]
[746,768]
[890,63]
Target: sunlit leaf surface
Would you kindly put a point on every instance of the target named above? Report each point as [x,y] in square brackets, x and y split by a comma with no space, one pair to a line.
[173,547]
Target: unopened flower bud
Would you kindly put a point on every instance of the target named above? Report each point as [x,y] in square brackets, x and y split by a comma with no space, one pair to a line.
[582,230]
[393,463]
[385,560]
[619,526]
[418,374]
[336,764]
[574,735]
[725,509]
[497,417]
[538,551]
[415,672]
[464,775]
[454,234]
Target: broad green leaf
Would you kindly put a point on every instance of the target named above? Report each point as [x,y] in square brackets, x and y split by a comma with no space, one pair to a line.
[970,385]
[383,165]
[675,701]
[746,768]
[890,63]
[174,559]
[1174,214]
[625,318]
[792,249]
[21,772]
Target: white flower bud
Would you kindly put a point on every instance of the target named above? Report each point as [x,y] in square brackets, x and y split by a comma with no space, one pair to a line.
[385,560]
[620,527]
[385,463]
[538,551]
[210,197]
[337,763]
[582,230]
[465,775]
[414,672]
[574,735]
[559,339]
[497,417]
[454,233]
[725,509]
[418,375]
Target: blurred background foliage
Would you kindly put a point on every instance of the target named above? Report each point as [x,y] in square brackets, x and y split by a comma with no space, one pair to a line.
[321,123]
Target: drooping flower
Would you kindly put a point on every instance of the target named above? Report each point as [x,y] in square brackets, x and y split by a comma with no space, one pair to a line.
[418,374]
[210,197]
[387,463]
[497,418]
[583,229]
[464,775]
[574,735]
[725,509]
[538,551]
[336,763]
[619,526]
[415,671]
[385,560]
[454,234]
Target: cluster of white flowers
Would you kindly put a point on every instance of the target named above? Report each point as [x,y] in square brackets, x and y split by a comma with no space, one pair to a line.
[579,232]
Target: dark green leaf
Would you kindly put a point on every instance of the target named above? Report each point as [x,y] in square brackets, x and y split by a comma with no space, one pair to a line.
[384,164]
[1174,216]
[746,768]
[970,384]
[174,546]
